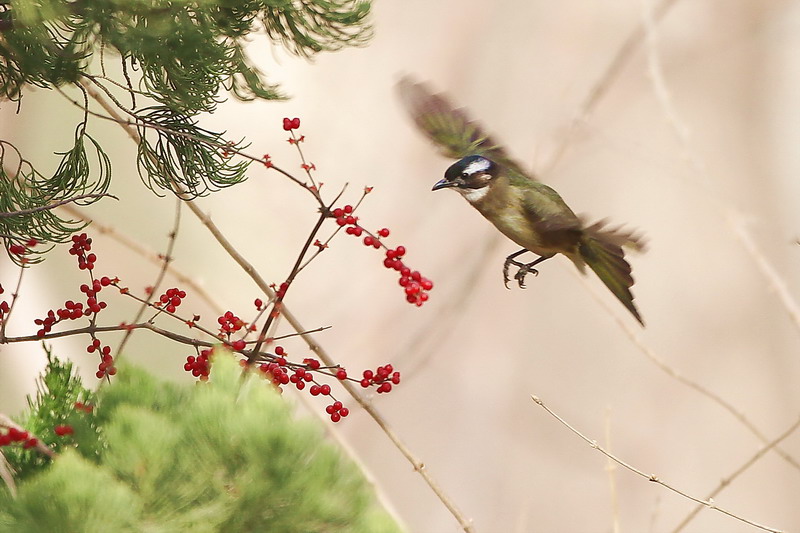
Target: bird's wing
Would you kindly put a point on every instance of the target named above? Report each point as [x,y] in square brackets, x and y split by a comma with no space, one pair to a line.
[553,218]
[450,128]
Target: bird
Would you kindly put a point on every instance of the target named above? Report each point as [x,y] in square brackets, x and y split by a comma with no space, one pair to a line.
[530,213]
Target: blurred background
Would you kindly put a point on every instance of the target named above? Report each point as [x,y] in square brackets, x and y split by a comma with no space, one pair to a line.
[694,142]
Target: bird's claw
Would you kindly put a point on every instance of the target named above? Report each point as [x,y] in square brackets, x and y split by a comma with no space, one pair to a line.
[505,273]
[522,272]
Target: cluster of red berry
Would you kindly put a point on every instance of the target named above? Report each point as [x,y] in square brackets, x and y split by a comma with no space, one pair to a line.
[75,310]
[171,299]
[4,307]
[290,124]
[21,250]
[384,376]
[85,407]
[106,366]
[230,323]
[199,366]
[14,435]
[63,430]
[277,372]
[337,411]
[415,285]
[80,245]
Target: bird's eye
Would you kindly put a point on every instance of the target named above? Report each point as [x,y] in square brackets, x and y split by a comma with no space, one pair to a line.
[464,175]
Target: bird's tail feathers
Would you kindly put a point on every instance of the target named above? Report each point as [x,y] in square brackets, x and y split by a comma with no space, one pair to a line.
[602,249]
[618,235]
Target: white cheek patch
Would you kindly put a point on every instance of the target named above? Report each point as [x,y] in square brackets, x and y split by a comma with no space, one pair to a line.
[474,195]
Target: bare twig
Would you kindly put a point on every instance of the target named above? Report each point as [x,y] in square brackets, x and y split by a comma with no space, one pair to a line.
[167,259]
[739,471]
[150,255]
[607,79]
[777,283]
[14,296]
[682,133]
[651,477]
[650,354]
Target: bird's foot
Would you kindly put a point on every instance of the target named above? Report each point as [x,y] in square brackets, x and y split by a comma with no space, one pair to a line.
[523,271]
[506,267]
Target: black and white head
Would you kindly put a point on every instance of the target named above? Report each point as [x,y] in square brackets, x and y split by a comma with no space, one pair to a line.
[471,176]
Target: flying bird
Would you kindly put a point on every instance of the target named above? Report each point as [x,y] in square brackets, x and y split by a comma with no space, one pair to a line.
[524,209]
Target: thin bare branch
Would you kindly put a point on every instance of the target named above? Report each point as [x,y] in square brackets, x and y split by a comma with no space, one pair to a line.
[739,471]
[651,477]
[621,58]
[651,354]
[162,272]
[776,282]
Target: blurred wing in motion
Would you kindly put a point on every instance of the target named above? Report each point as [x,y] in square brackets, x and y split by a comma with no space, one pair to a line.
[450,128]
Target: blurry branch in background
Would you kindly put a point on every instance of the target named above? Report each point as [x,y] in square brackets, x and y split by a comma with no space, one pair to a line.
[682,133]
[766,268]
[606,80]
[739,471]
[709,503]
[166,259]
[147,254]
[647,351]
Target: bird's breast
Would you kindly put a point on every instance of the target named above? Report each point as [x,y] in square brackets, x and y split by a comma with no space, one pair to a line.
[506,212]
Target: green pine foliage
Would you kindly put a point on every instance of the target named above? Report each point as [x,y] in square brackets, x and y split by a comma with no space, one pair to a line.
[57,392]
[175,58]
[219,456]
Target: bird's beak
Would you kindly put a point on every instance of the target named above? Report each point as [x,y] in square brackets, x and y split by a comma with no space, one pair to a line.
[444,184]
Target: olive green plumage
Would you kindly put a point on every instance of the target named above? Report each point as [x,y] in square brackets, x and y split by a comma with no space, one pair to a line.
[525,210]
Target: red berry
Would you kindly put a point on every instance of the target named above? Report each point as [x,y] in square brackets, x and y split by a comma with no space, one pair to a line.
[63,430]
[383,232]
[280,351]
[295,123]
[287,124]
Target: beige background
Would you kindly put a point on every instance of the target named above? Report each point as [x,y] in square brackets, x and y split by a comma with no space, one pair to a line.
[697,137]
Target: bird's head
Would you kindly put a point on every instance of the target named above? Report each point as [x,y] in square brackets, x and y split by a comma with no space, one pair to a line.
[472,176]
